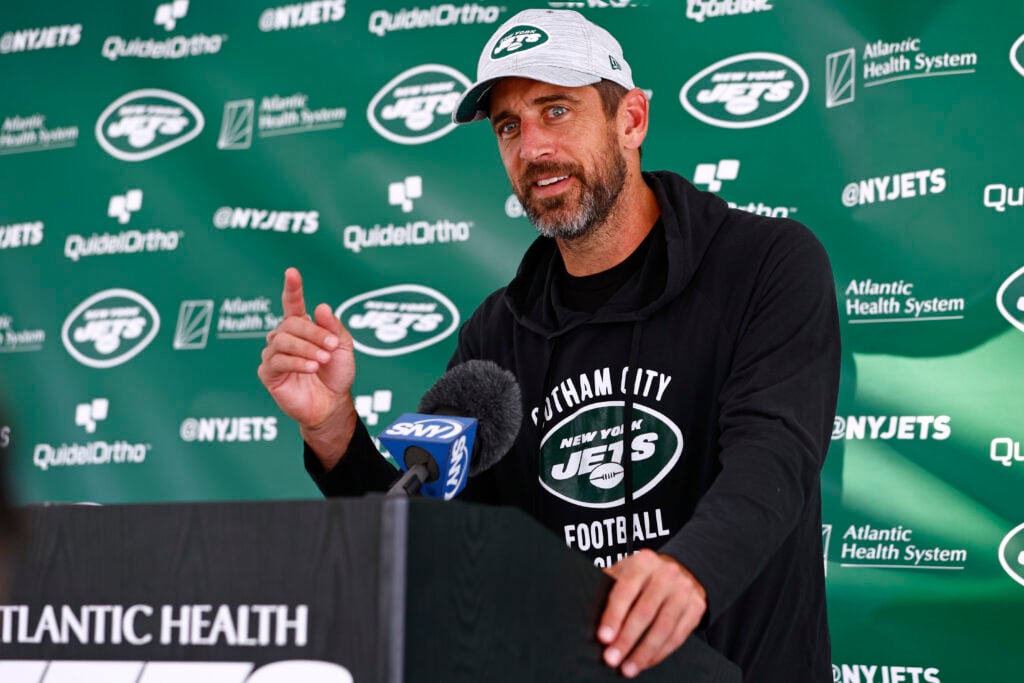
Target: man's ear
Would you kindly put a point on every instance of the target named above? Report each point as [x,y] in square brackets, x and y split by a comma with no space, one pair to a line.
[632,118]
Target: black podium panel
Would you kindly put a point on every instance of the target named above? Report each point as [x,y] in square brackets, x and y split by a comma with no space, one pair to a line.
[368,589]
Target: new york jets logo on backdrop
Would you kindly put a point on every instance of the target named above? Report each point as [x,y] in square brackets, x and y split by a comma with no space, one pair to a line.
[416,105]
[745,91]
[109,328]
[582,456]
[518,39]
[398,320]
[1010,299]
[143,124]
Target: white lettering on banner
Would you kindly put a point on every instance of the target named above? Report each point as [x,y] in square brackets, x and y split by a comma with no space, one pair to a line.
[46,455]
[999,196]
[14,340]
[128,242]
[698,10]
[60,671]
[413,314]
[229,429]
[885,427]
[23,40]
[893,548]
[21,235]
[868,301]
[176,47]
[417,233]
[382,22]
[893,187]
[277,116]
[301,15]
[204,625]
[1005,450]
[20,134]
[5,436]
[295,222]
[873,673]
[415,106]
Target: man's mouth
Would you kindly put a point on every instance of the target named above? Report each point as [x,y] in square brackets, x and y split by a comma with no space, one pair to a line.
[550,181]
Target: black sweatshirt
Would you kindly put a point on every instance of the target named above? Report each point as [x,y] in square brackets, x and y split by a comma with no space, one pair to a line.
[723,349]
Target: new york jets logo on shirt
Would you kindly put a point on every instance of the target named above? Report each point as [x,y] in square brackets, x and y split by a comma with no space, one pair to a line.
[582,456]
[518,39]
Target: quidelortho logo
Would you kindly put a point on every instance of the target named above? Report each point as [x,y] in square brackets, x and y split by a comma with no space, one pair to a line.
[167,15]
[888,62]
[42,671]
[13,340]
[23,134]
[412,233]
[371,406]
[888,188]
[88,414]
[122,207]
[397,320]
[228,429]
[237,318]
[143,124]
[699,10]
[301,15]
[403,192]
[1010,299]
[278,116]
[888,427]
[100,452]
[867,546]
[868,301]
[1011,554]
[518,39]
[383,22]
[44,38]
[110,328]
[712,175]
[27,234]
[882,673]
[1005,451]
[999,196]
[266,220]
[416,106]
[581,456]
[1017,55]
[745,91]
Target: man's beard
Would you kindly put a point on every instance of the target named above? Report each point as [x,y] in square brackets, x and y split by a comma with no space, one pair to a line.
[556,217]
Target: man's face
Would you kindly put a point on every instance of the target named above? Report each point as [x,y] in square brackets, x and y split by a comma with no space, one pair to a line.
[561,153]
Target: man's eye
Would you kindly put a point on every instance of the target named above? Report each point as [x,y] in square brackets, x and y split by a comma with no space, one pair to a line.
[507,128]
[558,110]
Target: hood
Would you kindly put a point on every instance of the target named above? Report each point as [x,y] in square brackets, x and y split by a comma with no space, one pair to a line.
[690,218]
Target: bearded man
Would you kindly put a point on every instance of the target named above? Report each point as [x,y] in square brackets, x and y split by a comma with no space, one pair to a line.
[707,336]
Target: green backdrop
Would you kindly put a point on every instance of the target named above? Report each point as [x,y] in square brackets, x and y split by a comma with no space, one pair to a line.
[162,163]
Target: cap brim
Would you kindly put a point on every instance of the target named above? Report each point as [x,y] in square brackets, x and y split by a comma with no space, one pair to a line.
[469,108]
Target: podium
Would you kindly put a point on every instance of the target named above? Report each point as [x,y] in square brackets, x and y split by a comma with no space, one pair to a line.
[367,589]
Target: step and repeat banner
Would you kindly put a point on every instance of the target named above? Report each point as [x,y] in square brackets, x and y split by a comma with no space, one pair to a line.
[162,163]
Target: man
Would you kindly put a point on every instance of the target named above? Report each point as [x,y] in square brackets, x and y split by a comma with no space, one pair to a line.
[678,362]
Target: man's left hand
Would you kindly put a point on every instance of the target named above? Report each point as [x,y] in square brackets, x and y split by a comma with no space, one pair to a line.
[652,608]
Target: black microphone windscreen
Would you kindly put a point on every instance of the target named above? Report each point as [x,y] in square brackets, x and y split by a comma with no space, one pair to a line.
[486,391]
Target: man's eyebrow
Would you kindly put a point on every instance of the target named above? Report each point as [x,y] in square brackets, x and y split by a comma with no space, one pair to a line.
[544,99]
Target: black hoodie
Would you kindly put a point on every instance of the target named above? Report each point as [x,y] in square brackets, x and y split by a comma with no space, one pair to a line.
[723,352]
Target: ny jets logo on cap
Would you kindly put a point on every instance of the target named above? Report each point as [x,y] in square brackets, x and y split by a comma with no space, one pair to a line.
[517,39]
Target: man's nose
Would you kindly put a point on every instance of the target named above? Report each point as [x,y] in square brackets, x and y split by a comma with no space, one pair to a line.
[536,141]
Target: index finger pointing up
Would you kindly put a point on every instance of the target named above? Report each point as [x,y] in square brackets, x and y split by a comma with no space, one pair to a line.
[292,300]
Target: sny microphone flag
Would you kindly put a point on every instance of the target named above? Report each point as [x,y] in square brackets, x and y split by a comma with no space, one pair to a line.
[448,441]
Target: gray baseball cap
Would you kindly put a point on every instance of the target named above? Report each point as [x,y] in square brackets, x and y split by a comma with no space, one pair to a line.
[560,47]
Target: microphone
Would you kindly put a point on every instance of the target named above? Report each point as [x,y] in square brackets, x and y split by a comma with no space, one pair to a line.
[427,446]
